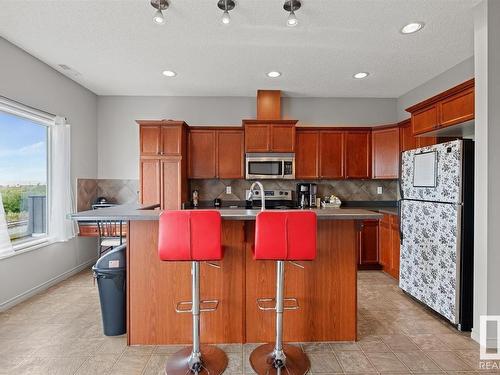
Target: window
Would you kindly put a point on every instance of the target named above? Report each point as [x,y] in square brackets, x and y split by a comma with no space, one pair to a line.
[23,177]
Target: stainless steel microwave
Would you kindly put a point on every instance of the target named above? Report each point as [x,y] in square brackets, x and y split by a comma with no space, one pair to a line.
[262,166]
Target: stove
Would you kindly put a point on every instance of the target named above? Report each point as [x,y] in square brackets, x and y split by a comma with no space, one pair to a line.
[275,199]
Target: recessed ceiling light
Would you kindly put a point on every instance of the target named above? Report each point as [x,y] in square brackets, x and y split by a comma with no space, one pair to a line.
[273,74]
[361,75]
[412,27]
[169,73]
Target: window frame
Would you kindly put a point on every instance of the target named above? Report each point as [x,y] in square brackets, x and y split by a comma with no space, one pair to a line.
[46,120]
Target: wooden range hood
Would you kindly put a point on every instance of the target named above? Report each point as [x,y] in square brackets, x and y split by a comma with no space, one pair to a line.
[268,104]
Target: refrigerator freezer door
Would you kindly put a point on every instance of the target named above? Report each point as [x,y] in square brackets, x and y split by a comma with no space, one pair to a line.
[433,173]
[430,255]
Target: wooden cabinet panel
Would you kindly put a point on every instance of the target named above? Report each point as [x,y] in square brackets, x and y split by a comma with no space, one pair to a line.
[257,138]
[406,139]
[230,151]
[306,154]
[425,120]
[88,230]
[150,181]
[150,140]
[202,154]
[385,153]
[425,141]
[357,154]
[331,154]
[385,242]
[368,245]
[395,247]
[172,184]
[171,140]
[283,138]
[456,109]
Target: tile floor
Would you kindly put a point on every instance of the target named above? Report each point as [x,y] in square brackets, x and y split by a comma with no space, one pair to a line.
[59,332]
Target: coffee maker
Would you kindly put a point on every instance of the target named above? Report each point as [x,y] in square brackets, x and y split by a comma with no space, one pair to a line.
[306,195]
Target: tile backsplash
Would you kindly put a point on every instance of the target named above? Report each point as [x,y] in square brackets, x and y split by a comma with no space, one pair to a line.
[346,190]
[115,190]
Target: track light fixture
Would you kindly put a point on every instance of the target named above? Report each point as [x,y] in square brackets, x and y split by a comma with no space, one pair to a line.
[159,5]
[226,6]
[291,6]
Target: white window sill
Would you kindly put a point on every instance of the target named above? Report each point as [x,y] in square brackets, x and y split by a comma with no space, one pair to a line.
[26,247]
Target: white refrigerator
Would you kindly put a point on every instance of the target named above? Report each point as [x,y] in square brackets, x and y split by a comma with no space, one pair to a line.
[437,228]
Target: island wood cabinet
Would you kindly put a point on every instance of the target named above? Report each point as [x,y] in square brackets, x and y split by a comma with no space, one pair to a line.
[368,245]
[216,153]
[162,165]
[389,244]
[385,152]
[357,154]
[448,108]
[269,136]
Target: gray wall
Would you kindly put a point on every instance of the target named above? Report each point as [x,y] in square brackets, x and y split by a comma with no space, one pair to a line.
[118,133]
[27,80]
[452,77]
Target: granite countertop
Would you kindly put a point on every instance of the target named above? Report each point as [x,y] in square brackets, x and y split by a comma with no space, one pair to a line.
[139,212]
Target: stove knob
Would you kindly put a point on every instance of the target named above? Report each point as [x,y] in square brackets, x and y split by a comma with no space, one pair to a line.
[281,193]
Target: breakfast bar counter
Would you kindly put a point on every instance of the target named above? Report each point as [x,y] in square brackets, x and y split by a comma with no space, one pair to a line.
[325,287]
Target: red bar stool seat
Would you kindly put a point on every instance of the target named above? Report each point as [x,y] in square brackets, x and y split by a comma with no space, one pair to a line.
[193,236]
[282,236]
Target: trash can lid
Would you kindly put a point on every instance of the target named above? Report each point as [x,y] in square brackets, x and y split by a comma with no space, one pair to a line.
[113,259]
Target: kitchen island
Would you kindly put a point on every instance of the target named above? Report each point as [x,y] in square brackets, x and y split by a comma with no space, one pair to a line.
[325,287]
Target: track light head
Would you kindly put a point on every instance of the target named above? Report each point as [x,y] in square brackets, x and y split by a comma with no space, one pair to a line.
[226,6]
[291,6]
[159,5]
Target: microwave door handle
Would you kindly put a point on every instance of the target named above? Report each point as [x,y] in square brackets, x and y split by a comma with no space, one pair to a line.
[283,169]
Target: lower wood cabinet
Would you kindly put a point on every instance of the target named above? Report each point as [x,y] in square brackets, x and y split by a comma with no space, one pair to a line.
[379,245]
[389,244]
[368,245]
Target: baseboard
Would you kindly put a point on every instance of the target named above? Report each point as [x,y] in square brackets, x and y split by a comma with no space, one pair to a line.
[39,288]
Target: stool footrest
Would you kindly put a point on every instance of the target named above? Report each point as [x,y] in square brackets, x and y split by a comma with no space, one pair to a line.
[293,304]
[212,305]
[208,305]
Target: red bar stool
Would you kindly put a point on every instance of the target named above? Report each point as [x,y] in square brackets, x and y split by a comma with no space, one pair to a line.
[193,236]
[282,236]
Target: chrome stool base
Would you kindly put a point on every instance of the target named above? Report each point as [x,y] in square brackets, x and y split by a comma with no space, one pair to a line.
[297,362]
[214,361]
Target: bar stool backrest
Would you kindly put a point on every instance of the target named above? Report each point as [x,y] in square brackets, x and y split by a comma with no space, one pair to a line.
[285,235]
[190,235]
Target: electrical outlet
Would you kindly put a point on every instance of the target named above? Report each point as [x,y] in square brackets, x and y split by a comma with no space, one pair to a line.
[228,190]
[379,189]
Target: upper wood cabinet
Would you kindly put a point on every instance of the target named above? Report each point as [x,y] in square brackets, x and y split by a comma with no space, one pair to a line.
[283,138]
[160,139]
[306,154]
[215,153]
[331,154]
[150,140]
[448,108]
[202,154]
[269,136]
[385,153]
[163,166]
[258,138]
[230,154]
[357,154]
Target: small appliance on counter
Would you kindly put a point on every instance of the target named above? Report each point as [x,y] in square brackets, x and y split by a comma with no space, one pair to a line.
[195,198]
[275,199]
[306,195]
[102,202]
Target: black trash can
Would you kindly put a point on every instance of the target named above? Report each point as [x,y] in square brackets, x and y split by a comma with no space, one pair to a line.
[109,271]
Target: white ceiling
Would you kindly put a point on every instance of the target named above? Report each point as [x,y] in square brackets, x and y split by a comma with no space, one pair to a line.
[117,49]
